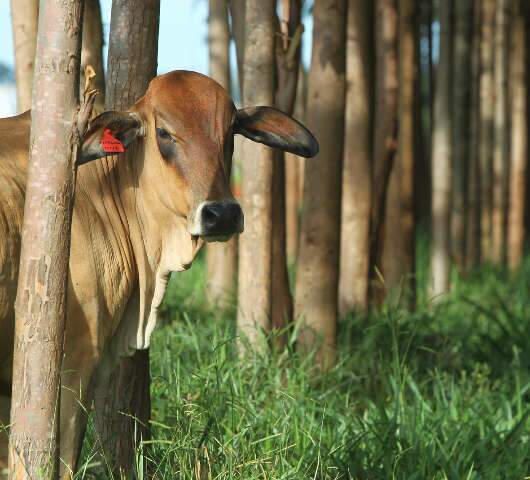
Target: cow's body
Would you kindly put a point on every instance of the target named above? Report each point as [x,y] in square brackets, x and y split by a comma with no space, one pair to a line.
[134,222]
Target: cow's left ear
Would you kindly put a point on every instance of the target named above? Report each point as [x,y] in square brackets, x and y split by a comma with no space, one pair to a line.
[276,129]
[110,133]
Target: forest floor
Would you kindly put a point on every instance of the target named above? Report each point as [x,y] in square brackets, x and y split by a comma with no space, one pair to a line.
[442,393]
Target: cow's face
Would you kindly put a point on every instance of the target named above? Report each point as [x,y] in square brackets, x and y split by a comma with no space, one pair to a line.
[187,124]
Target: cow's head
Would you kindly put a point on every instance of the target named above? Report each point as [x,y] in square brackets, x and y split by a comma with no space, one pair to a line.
[187,123]
[175,182]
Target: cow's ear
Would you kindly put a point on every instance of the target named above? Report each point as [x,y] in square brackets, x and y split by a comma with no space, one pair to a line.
[109,134]
[276,129]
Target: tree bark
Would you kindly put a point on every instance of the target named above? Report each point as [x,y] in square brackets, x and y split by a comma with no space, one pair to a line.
[473,237]
[255,248]
[487,104]
[408,83]
[92,49]
[385,135]
[519,134]
[461,104]
[125,396]
[287,52]
[501,162]
[399,244]
[221,258]
[356,174]
[24,17]
[42,283]
[318,268]
[441,163]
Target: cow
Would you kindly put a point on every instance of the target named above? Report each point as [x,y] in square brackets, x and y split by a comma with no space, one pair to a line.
[137,217]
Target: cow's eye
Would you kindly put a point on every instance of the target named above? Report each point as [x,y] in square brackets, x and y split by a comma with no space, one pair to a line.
[163,134]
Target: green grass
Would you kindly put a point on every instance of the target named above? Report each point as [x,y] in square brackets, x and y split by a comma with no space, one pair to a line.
[442,393]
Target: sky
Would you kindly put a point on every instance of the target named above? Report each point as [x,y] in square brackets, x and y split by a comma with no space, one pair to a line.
[182,38]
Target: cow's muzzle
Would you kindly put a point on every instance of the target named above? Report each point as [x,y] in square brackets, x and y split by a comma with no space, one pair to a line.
[217,221]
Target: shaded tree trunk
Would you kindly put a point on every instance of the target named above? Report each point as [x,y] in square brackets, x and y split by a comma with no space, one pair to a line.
[399,244]
[125,395]
[385,135]
[56,131]
[473,236]
[519,134]
[92,49]
[24,17]
[461,105]
[318,268]
[287,67]
[487,103]
[221,258]
[441,162]
[501,162]
[255,249]
[357,175]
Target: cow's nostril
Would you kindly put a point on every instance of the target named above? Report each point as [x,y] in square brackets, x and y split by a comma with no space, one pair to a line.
[210,215]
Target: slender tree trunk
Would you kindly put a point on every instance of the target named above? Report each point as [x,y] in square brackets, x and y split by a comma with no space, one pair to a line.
[294,175]
[237,14]
[385,135]
[408,84]
[255,249]
[125,396]
[287,66]
[473,237]
[318,268]
[501,162]
[357,175]
[42,283]
[221,258]
[398,252]
[441,162]
[487,104]
[92,49]
[461,104]
[519,140]
[24,16]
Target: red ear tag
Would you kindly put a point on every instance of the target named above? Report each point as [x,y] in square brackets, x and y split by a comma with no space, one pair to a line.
[111,144]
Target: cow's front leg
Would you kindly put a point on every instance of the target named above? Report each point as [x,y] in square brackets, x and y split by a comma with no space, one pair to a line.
[76,401]
[5,406]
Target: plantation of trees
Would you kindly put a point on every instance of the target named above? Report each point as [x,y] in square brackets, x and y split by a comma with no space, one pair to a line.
[281,269]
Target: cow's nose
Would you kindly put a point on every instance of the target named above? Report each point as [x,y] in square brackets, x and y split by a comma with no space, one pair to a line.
[221,218]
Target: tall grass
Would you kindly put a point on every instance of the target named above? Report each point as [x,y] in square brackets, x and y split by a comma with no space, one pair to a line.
[435,394]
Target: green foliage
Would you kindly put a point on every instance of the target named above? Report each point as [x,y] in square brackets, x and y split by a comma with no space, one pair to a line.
[436,394]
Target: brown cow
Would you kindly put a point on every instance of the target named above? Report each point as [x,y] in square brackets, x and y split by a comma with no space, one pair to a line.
[137,217]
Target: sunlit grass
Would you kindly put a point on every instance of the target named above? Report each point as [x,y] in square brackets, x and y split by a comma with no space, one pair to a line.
[438,394]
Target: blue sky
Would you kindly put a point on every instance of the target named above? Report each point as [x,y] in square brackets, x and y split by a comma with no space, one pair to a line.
[182,41]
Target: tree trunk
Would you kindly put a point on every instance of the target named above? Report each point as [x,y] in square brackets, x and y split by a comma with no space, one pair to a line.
[501,162]
[221,258]
[487,103]
[473,237]
[255,249]
[288,42]
[408,84]
[461,104]
[24,17]
[237,14]
[519,132]
[441,163]
[357,175]
[318,268]
[125,396]
[92,49]
[399,248]
[385,135]
[42,283]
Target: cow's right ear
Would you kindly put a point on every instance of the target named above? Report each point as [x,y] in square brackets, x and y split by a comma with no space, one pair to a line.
[110,133]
